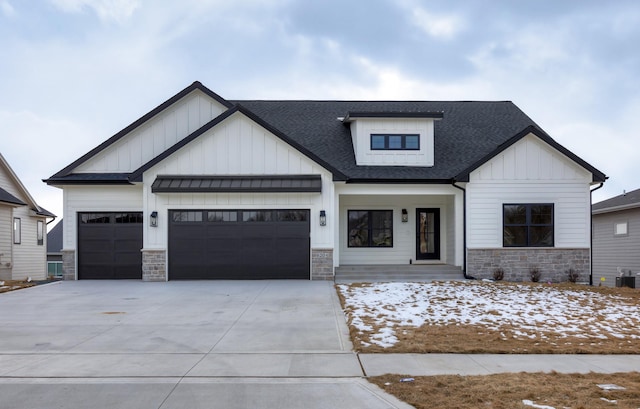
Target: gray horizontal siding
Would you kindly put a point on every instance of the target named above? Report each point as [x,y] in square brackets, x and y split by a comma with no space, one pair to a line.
[611,251]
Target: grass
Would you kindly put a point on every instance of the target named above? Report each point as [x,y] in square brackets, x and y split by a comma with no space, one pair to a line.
[492,333]
[11,285]
[582,309]
[502,391]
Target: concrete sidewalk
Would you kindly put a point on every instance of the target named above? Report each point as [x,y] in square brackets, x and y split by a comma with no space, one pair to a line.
[485,364]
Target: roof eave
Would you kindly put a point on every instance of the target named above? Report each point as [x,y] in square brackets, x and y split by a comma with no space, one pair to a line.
[413,181]
[619,208]
[597,176]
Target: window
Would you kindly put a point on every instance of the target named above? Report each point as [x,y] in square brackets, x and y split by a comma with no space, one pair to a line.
[223,216]
[527,225]
[292,215]
[128,218]
[95,218]
[17,230]
[621,229]
[187,216]
[370,228]
[54,269]
[40,233]
[395,142]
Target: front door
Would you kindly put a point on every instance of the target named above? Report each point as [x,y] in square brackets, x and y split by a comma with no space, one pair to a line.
[428,234]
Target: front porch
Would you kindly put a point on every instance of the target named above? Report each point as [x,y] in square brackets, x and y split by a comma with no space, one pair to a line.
[397,273]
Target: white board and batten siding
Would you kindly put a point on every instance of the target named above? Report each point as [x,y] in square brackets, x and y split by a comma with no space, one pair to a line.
[156,135]
[238,146]
[363,128]
[530,171]
[97,199]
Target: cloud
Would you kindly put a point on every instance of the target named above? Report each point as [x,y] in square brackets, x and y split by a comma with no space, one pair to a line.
[107,10]
[36,147]
[436,25]
[7,9]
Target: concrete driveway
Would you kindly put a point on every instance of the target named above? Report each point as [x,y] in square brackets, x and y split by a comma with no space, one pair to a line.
[226,344]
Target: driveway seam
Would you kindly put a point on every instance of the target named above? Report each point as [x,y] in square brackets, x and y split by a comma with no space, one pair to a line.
[214,345]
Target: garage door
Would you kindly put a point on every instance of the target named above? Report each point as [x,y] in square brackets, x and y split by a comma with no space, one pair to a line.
[109,245]
[238,244]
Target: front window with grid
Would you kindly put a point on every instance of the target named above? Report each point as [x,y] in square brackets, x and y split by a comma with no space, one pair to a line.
[528,225]
[370,228]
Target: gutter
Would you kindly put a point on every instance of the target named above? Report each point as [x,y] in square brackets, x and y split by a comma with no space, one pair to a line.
[464,230]
[591,232]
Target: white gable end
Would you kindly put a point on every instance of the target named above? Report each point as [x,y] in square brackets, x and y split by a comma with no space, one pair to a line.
[530,159]
[529,171]
[155,136]
[237,146]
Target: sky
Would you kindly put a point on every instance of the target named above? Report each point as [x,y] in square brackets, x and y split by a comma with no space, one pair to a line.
[75,72]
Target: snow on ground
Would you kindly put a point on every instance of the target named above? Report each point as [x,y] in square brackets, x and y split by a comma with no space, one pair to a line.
[534,311]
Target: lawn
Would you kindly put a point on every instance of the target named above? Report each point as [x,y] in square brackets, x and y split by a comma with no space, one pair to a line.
[517,390]
[499,317]
[492,317]
[10,285]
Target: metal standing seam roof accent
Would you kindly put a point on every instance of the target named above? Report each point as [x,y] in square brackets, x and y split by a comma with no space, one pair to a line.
[237,183]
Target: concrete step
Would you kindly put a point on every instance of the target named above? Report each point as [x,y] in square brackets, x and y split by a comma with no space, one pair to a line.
[397,273]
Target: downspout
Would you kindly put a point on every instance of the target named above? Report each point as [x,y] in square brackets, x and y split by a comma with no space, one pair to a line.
[591,232]
[464,229]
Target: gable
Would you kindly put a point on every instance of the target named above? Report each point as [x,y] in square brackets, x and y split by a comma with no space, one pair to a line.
[530,159]
[236,146]
[155,136]
[11,189]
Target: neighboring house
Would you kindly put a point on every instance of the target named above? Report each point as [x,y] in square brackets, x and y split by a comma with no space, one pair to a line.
[23,229]
[54,251]
[207,188]
[616,238]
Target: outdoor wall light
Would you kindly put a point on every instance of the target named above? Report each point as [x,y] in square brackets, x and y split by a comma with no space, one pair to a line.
[153,219]
[323,218]
[405,216]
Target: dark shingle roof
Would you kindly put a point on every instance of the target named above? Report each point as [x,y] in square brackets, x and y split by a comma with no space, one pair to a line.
[54,238]
[466,134]
[621,202]
[9,198]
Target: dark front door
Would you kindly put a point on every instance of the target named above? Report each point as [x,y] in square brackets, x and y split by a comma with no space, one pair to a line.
[428,234]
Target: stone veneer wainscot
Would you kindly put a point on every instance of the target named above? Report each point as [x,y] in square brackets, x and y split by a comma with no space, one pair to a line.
[322,264]
[154,265]
[68,264]
[553,263]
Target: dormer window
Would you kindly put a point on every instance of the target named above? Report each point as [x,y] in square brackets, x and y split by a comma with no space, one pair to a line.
[395,142]
[393,138]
